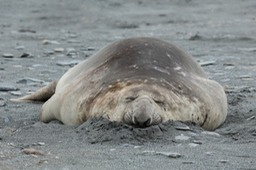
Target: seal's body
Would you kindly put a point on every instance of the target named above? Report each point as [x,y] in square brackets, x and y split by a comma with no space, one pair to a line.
[138,81]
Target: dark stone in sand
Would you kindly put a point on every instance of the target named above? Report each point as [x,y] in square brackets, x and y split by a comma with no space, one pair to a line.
[7,87]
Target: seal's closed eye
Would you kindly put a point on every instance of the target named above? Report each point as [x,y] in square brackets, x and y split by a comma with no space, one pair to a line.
[130,98]
[159,102]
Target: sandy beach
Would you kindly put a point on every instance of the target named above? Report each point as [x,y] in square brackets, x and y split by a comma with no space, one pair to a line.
[41,40]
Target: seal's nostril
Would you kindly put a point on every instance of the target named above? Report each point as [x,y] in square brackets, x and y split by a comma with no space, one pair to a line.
[142,121]
[147,122]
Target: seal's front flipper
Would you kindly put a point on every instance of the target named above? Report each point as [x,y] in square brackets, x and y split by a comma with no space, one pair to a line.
[41,95]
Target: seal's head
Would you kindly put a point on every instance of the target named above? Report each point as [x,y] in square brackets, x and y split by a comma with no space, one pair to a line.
[139,105]
[142,111]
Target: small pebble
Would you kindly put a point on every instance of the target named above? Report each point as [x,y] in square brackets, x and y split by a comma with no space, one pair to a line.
[193,134]
[211,133]
[90,49]
[137,147]
[2,103]
[223,161]
[244,76]
[29,80]
[73,41]
[228,64]
[17,66]
[126,145]
[219,74]
[32,151]
[10,144]
[60,55]
[67,63]
[42,161]
[207,63]
[182,137]
[183,128]
[169,154]
[72,35]
[229,67]
[45,42]
[188,162]
[41,143]
[248,49]
[197,142]
[8,55]
[20,47]
[26,55]
[146,152]
[251,118]
[27,30]
[7,119]
[195,37]
[70,52]
[58,50]
[248,79]
[193,144]
[49,52]
[37,65]
[16,93]
[209,153]
[7,87]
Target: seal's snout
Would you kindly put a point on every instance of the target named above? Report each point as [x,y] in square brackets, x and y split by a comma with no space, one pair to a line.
[142,120]
[143,110]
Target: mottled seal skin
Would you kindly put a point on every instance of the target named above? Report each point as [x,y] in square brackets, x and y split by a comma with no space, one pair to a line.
[138,81]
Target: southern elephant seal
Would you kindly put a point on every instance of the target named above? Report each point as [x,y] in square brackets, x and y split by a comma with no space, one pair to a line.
[138,81]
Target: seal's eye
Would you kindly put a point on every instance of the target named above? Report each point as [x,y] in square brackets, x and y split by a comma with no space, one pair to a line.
[130,98]
[161,103]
